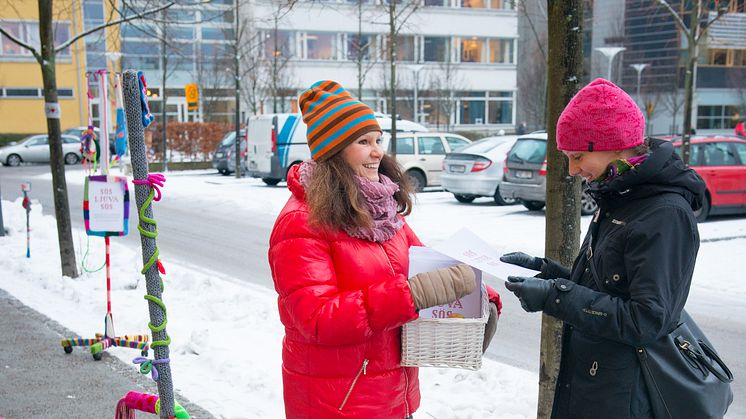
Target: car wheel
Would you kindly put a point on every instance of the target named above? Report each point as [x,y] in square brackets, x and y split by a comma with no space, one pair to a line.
[270,181]
[13,160]
[417,180]
[703,212]
[71,158]
[588,205]
[533,205]
[500,200]
[464,198]
[225,172]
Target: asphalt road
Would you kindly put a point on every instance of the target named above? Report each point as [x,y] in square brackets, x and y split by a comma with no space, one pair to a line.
[236,245]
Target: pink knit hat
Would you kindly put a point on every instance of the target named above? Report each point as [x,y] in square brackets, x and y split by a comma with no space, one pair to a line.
[601,117]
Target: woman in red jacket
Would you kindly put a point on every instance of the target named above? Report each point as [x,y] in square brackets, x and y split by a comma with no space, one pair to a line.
[339,259]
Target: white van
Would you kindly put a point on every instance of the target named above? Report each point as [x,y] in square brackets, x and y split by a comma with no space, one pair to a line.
[276,142]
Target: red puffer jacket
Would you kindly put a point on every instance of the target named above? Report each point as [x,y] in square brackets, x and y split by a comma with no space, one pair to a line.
[342,301]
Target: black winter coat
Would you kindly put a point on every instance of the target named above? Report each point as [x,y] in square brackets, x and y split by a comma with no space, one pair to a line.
[642,244]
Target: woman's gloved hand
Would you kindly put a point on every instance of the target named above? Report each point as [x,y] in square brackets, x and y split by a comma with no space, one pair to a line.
[523,260]
[442,286]
[531,292]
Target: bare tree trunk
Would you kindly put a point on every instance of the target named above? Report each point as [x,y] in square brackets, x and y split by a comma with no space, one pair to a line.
[691,64]
[565,61]
[392,79]
[56,163]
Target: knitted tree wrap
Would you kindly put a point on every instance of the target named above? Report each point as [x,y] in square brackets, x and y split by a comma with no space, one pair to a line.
[135,129]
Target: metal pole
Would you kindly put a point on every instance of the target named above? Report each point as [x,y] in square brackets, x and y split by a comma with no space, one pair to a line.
[237,76]
[2,227]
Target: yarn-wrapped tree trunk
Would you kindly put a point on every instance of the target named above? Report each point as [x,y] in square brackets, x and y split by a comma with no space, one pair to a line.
[148,232]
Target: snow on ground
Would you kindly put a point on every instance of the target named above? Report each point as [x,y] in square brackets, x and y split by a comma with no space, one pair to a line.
[226,334]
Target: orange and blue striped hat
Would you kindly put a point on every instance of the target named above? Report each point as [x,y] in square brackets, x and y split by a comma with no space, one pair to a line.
[333,118]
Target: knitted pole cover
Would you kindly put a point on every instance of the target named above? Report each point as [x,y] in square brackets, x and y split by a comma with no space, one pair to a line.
[136,131]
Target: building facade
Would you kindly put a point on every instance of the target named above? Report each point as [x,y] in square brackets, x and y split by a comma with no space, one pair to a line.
[456,59]
[21,87]
[652,39]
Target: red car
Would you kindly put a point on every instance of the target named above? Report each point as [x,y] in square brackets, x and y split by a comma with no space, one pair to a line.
[721,161]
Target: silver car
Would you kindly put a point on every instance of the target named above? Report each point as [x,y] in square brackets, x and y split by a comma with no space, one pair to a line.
[477,170]
[525,177]
[35,149]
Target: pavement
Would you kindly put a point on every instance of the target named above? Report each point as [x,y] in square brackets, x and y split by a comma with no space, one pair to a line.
[38,380]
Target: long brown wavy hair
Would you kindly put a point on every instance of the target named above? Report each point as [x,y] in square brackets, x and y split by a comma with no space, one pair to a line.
[334,198]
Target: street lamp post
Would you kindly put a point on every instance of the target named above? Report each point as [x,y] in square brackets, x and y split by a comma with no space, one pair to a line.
[416,68]
[610,53]
[639,68]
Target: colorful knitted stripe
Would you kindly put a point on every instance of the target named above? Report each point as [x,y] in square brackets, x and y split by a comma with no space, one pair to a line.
[619,167]
[86,206]
[333,118]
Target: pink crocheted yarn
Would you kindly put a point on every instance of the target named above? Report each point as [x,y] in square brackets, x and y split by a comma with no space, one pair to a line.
[601,117]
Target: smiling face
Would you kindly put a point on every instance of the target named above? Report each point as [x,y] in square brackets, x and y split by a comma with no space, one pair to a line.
[364,155]
[592,164]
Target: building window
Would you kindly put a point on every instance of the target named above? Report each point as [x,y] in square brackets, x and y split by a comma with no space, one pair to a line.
[717,116]
[727,57]
[28,32]
[472,112]
[474,4]
[435,49]
[501,51]
[320,46]
[503,4]
[282,47]
[360,46]
[436,3]
[405,48]
[32,93]
[472,50]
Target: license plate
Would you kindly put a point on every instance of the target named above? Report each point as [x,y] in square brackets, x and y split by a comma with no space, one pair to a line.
[457,168]
[524,174]
[219,154]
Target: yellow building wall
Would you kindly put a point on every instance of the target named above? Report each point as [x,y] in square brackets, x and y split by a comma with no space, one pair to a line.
[26,116]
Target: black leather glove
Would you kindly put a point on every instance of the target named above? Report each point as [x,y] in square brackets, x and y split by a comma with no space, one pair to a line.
[531,292]
[523,260]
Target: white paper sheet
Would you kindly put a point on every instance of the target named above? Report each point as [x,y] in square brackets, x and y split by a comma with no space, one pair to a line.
[424,259]
[467,247]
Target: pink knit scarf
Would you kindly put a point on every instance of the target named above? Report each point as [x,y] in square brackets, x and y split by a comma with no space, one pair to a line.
[379,200]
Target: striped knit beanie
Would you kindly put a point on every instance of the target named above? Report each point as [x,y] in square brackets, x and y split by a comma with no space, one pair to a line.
[333,118]
[600,117]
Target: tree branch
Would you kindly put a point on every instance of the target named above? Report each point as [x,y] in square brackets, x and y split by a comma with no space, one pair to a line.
[107,24]
[22,44]
[709,23]
[676,18]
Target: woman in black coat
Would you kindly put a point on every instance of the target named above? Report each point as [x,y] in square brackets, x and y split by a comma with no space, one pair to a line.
[629,283]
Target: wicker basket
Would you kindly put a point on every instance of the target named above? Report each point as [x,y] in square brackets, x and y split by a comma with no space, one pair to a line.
[450,343]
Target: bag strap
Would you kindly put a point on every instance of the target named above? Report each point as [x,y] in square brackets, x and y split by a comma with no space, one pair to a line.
[703,359]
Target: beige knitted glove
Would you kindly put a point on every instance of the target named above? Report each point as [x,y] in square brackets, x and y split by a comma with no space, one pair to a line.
[441,286]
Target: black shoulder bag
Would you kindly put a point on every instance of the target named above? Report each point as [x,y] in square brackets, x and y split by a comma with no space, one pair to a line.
[684,375]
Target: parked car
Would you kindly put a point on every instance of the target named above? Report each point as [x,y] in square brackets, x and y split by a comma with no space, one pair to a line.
[721,162]
[477,169]
[35,149]
[277,142]
[421,154]
[224,159]
[525,174]
[77,132]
